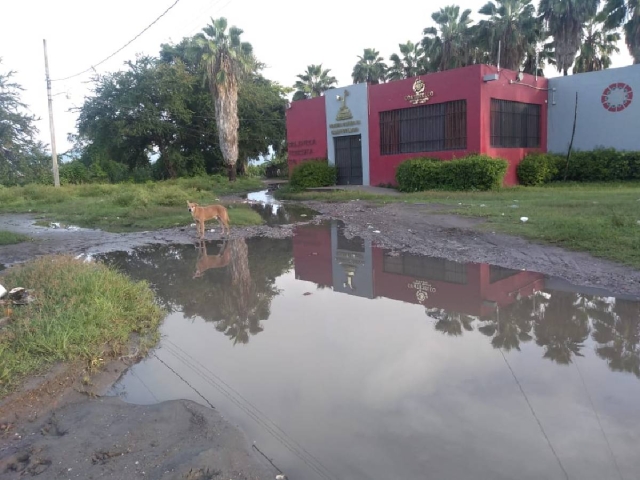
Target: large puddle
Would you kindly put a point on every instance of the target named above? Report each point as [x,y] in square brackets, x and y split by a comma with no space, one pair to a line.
[341,361]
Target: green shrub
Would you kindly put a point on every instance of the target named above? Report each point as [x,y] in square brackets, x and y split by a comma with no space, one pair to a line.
[475,172]
[312,174]
[601,165]
[538,168]
[170,196]
[133,197]
[73,173]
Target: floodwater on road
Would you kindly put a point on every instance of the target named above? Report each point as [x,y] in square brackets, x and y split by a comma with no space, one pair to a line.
[274,213]
[343,361]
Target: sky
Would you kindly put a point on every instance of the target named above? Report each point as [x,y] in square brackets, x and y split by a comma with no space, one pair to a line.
[81,33]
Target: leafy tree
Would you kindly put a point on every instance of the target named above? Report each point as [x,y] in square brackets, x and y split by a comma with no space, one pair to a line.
[625,14]
[138,111]
[564,20]
[163,106]
[261,105]
[410,62]
[598,45]
[370,68]
[313,82]
[511,24]
[226,60]
[449,42]
[22,158]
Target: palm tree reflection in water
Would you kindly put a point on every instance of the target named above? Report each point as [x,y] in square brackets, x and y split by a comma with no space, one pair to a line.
[561,323]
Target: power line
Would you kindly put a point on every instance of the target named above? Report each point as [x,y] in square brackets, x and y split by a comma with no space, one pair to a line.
[92,67]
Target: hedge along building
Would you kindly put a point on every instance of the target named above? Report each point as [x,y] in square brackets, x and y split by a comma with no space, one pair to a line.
[607,113]
[366,131]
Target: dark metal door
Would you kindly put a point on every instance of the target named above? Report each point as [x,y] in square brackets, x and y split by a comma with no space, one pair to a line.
[349,159]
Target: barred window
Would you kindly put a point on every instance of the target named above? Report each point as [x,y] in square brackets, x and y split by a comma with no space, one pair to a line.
[514,124]
[427,128]
[427,268]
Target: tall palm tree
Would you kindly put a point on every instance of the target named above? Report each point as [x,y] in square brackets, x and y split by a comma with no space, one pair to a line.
[450,41]
[226,60]
[539,53]
[410,62]
[512,25]
[598,45]
[370,68]
[564,20]
[626,14]
[313,82]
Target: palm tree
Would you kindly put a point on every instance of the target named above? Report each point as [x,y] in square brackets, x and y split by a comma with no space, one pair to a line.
[512,25]
[226,60]
[313,82]
[449,43]
[410,64]
[370,68]
[543,50]
[616,12]
[598,45]
[564,20]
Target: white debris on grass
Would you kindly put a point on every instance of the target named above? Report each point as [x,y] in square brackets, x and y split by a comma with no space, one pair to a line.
[524,219]
[3,291]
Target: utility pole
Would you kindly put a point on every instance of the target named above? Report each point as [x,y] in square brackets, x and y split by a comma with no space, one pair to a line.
[54,155]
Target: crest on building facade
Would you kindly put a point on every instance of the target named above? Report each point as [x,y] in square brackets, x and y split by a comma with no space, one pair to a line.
[420,93]
[344,113]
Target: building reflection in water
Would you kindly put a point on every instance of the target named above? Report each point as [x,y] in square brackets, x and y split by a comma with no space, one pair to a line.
[511,307]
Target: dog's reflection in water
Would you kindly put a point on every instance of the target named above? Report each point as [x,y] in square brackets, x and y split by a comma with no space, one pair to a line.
[206,261]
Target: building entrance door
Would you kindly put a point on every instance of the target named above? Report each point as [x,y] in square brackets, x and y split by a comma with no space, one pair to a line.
[349,159]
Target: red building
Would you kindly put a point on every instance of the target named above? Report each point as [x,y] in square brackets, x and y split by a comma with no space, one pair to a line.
[368,130]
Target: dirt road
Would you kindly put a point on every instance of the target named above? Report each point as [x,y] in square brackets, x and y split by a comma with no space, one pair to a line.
[422,229]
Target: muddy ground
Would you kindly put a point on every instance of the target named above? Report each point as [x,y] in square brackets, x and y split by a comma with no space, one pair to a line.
[54,431]
[415,228]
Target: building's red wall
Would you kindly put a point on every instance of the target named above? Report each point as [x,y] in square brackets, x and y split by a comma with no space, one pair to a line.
[501,89]
[306,131]
[312,254]
[459,84]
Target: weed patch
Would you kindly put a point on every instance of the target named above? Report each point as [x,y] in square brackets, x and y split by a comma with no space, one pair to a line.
[82,312]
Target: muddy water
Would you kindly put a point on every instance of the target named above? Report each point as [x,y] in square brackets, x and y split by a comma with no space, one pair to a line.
[341,361]
[274,213]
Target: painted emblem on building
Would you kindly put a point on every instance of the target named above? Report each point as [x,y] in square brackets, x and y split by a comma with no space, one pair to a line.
[420,93]
[616,97]
[423,289]
[344,113]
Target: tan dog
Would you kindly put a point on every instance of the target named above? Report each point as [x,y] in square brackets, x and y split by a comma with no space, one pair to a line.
[202,214]
[205,261]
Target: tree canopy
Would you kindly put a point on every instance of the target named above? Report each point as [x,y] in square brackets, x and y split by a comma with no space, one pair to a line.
[563,33]
[163,107]
[22,156]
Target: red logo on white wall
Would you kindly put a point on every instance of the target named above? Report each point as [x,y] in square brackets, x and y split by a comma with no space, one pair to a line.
[616,97]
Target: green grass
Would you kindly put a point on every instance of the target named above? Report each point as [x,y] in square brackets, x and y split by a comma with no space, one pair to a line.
[83,312]
[128,207]
[601,219]
[9,238]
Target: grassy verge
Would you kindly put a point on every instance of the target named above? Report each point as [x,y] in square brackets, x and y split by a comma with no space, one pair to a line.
[9,238]
[601,219]
[128,207]
[83,312]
